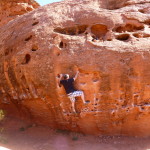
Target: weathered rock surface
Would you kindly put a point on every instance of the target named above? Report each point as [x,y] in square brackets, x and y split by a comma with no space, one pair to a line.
[111,49]
[10,9]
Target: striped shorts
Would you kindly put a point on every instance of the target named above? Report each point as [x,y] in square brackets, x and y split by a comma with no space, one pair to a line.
[74,94]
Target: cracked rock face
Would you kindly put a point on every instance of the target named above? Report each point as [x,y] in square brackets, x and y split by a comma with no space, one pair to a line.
[11,9]
[109,46]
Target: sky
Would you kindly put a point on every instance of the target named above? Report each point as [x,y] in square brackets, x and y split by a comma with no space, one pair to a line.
[44,2]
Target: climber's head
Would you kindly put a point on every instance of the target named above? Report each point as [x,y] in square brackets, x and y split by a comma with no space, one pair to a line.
[66,76]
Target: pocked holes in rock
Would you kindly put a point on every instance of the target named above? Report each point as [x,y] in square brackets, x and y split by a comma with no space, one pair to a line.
[141,35]
[95,38]
[62,44]
[99,30]
[82,29]
[142,108]
[28,38]
[72,30]
[27,58]
[137,35]
[8,50]
[123,37]
[58,53]
[109,39]
[141,11]
[34,48]
[147,22]
[129,28]
[87,101]
[95,80]
[35,23]
[68,31]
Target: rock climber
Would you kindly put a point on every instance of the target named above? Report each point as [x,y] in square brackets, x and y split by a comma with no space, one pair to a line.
[68,85]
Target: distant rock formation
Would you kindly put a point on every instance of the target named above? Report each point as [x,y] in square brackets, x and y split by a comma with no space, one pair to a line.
[107,42]
[109,4]
[10,9]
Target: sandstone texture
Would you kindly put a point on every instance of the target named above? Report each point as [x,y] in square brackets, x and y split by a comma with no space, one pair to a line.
[108,44]
[10,9]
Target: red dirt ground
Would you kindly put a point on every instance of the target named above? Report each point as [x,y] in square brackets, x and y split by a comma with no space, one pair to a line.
[18,135]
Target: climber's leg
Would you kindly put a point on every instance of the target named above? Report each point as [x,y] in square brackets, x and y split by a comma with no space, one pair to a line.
[72,99]
[83,97]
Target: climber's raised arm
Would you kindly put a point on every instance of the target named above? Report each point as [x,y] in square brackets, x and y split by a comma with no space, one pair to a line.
[76,75]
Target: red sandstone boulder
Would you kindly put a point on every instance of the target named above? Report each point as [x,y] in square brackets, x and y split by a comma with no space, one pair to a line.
[10,9]
[108,45]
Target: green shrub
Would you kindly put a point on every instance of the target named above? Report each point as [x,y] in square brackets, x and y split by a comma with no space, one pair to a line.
[75,138]
[3,140]
[65,132]
[2,115]
[22,129]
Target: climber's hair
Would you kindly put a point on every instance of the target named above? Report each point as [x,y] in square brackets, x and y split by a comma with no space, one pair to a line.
[66,76]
